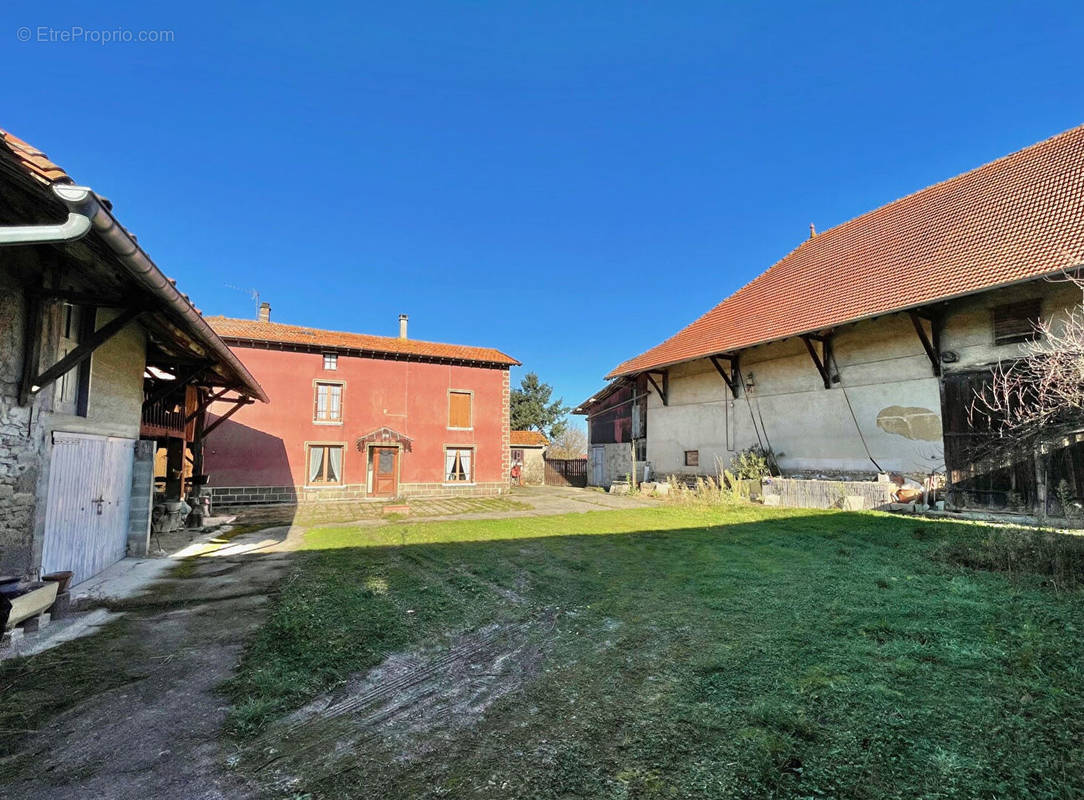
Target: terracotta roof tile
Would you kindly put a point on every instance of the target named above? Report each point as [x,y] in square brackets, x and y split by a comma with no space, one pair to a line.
[1018,218]
[528,439]
[242,330]
[34,161]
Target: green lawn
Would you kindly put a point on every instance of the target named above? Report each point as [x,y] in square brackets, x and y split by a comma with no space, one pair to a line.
[671,652]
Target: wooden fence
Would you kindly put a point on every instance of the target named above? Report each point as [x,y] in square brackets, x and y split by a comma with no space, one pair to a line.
[805,493]
[566,472]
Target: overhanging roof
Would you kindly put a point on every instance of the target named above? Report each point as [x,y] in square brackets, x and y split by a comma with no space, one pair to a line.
[1015,219]
[177,331]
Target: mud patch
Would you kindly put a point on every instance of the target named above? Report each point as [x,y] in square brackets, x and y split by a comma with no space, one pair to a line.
[410,704]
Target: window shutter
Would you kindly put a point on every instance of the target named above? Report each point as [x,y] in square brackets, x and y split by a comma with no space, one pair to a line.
[1015,322]
[459,410]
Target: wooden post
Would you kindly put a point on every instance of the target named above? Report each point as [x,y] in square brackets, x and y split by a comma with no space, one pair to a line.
[1040,482]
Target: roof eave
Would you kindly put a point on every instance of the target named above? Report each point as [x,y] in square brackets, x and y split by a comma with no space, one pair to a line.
[874,315]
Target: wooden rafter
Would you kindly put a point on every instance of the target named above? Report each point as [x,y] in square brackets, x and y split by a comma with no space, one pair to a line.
[181,379]
[731,379]
[931,342]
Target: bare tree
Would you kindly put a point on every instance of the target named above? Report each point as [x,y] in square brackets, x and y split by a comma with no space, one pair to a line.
[572,443]
[1037,399]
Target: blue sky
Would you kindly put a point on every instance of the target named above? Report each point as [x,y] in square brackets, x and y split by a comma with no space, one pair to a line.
[568,182]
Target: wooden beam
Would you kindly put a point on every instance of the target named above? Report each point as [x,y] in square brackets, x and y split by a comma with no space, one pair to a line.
[820,360]
[32,334]
[731,380]
[84,350]
[664,390]
[203,404]
[181,379]
[932,343]
[81,298]
[241,402]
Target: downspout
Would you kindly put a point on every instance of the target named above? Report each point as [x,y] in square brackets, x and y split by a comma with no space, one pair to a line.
[86,212]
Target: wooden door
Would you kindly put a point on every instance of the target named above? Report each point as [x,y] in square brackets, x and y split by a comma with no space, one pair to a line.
[385,471]
[86,512]
[597,457]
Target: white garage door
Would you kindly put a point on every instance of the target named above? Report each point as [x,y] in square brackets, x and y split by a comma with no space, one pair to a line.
[86,516]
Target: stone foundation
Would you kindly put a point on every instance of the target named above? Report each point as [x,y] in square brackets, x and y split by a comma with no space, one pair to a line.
[229,496]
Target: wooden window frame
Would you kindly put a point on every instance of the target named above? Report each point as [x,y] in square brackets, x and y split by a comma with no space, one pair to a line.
[470,394]
[470,479]
[84,319]
[333,359]
[316,384]
[323,484]
[695,458]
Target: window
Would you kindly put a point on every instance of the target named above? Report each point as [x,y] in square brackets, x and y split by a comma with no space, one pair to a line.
[70,392]
[1015,322]
[331,360]
[325,463]
[459,464]
[459,409]
[329,402]
[517,456]
[692,458]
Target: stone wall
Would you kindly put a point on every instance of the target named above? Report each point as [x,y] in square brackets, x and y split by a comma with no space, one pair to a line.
[223,497]
[22,439]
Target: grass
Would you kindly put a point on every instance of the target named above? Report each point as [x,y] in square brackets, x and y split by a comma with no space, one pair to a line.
[743,652]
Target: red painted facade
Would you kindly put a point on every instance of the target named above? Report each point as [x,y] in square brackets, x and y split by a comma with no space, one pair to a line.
[264,448]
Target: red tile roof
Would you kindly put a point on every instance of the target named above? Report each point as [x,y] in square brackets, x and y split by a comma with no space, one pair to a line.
[241,331]
[34,161]
[528,439]
[1018,218]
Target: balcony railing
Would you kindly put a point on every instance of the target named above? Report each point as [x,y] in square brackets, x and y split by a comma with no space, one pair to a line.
[161,420]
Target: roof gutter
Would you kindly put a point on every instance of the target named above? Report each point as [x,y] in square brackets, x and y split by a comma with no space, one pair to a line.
[75,227]
[86,213]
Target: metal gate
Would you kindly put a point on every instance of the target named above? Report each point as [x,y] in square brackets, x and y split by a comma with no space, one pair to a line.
[86,512]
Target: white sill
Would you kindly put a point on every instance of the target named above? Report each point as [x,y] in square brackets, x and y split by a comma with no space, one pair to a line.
[327,422]
[458,483]
[324,486]
[461,429]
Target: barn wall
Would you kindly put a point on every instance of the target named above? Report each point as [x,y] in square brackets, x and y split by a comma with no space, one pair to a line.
[115,399]
[889,382]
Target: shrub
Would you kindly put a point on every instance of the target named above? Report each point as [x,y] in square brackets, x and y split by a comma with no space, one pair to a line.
[754,463]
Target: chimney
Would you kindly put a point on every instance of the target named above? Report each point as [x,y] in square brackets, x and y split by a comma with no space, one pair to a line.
[812,230]
[402,326]
[265,312]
